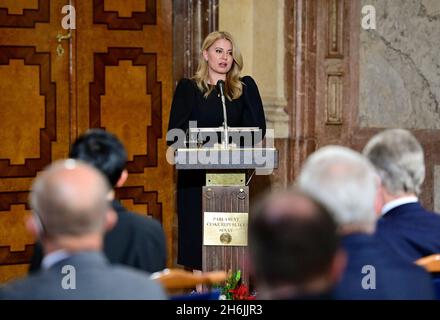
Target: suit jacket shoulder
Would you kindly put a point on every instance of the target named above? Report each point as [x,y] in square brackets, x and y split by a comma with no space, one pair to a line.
[411,231]
[375,272]
[136,241]
[86,275]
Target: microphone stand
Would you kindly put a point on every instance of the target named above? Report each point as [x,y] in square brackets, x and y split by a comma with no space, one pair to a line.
[221,84]
[225,125]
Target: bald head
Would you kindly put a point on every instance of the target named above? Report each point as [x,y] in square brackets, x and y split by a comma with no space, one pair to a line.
[70,198]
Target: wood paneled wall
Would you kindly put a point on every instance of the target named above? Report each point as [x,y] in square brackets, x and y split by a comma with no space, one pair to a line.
[115,73]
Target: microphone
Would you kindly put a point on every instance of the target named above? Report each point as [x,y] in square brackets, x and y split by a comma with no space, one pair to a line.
[221,87]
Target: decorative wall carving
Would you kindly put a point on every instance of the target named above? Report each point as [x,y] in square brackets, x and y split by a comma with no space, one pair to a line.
[8,257]
[153,88]
[28,18]
[48,90]
[335,29]
[334,100]
[22,112]
[139,196]
[135,22]
[334,61]
[14,197]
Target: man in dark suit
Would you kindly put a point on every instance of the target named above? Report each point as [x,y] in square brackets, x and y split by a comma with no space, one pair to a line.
[294,248]
[71,233]
[135,241]
[346,183]
[405,225]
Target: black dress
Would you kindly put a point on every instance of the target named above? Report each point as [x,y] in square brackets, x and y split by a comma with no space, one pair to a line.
[189,104]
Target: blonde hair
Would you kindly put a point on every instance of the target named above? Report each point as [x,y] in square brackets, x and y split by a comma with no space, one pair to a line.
[233,86]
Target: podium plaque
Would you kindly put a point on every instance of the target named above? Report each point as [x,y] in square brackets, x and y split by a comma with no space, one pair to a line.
[225,228]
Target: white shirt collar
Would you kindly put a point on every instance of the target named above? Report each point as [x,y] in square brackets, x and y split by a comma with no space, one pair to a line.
[54,257]
[398,202]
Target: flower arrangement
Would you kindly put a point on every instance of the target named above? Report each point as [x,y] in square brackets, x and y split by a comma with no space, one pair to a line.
[234,289]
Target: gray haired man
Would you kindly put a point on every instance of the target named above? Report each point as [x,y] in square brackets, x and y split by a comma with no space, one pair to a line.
[405,225]
[347,184]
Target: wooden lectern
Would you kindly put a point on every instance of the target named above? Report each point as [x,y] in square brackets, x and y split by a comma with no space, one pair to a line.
[225,200]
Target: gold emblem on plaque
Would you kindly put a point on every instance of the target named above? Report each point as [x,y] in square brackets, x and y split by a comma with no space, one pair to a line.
[225,238]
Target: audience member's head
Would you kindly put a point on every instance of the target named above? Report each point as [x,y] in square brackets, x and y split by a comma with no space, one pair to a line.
[294,247]
[399,161]
[70,205]
[346,183]
[105,152]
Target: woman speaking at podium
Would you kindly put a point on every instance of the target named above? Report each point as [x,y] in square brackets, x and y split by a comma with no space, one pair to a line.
[198,99]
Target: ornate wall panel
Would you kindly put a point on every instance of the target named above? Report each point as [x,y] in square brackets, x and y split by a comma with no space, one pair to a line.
[334,93]
[334,61]
[23,14]
[334,85]
[137,197]
[124,85]
[118,15]
[335,19]
[115,73]
[35,130]
[321,78]
[34,100]
[132,82]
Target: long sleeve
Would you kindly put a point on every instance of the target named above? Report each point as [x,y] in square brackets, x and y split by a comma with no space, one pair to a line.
[253,113]
[183,101]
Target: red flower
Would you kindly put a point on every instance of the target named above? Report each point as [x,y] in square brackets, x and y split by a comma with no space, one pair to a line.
[241,293]
[234,289]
